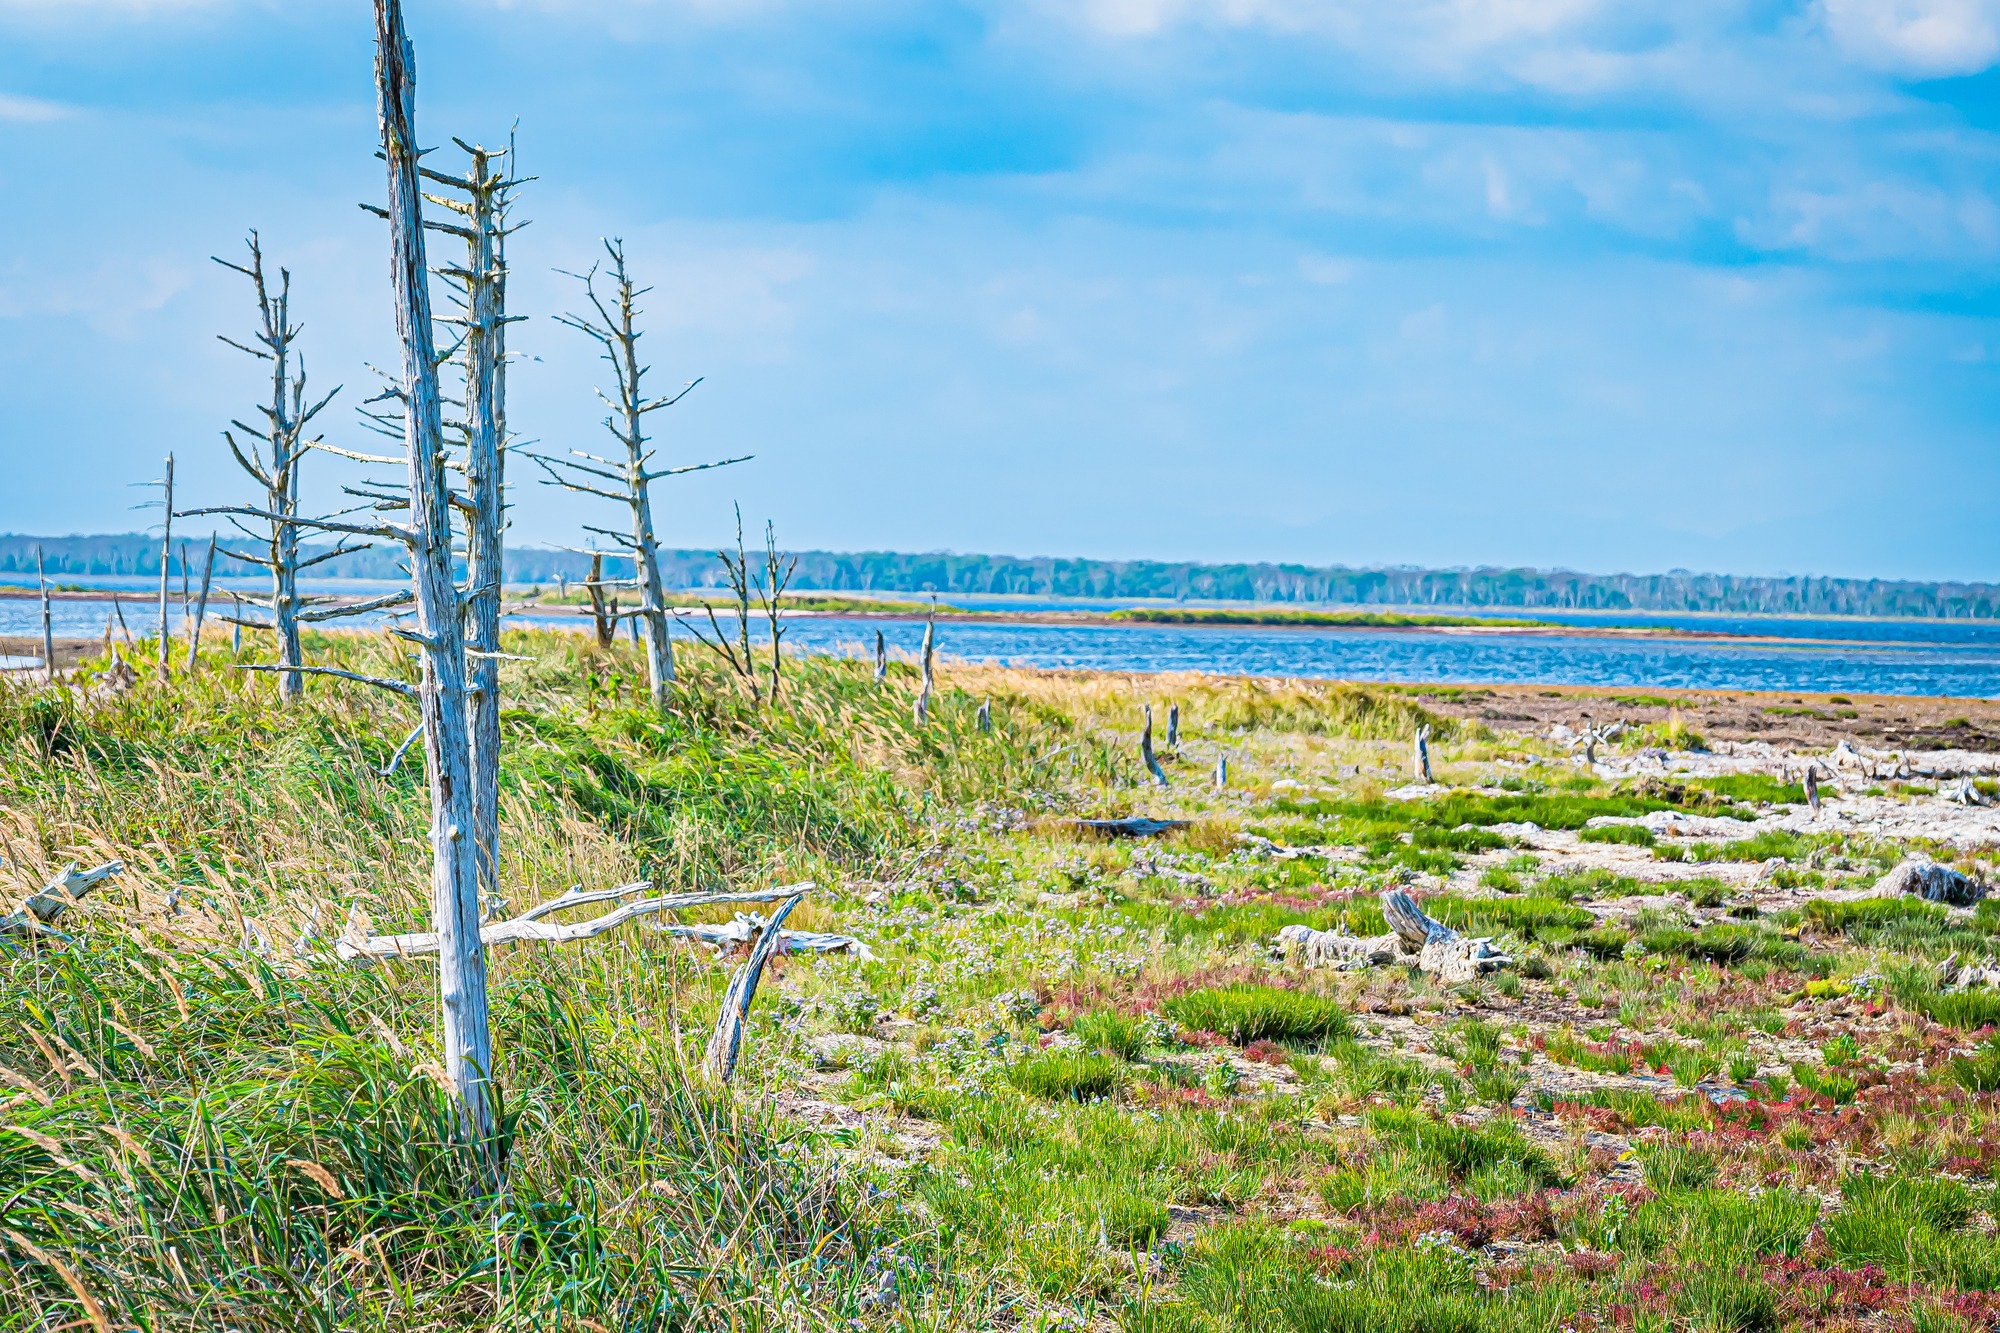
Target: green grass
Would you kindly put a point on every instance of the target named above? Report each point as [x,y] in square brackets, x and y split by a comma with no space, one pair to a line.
[1632,835]
[1248,1013]
[1525,916]
[1066,1075]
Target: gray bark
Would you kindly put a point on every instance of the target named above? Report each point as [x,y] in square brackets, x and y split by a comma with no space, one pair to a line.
[166,554]
[881,657]
[1146,749]
[48,632]
[1423,755]
[200,606]
[1173,726]
[466,1032]
[726,1042]
[923,706]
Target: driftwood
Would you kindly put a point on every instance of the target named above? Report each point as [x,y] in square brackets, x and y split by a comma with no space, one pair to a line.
[39,910]
[1325,948]
[1440,950]
[743,929]
[1146,749]
[726,1042]
[1423,756]
[528,927]
[1932,882]
[1134,826]
[1953,973]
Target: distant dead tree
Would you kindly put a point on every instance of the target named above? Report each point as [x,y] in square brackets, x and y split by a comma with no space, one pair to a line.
[603,609]
[613,323]
[766,589]
[1423,753]
[166,503]
[921,712]
[48,632]
[272,456]
[1146,749]
[881,656]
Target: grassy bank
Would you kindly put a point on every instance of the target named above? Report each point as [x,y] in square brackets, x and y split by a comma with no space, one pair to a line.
[1073,1088]
[1160,615]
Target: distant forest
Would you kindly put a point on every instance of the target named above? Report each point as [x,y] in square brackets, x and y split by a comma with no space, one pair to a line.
[1307,585]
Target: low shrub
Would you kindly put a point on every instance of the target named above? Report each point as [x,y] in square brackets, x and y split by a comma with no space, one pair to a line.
[1247,1013]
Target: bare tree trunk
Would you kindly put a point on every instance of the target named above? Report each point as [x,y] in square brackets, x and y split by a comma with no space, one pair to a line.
[485,279]
[48,632]
[602,622]
[922,711]
[166,556]
[200,606]
[467,1038]
[1146,749]
[1423,754]
[1173,726]
[881,657]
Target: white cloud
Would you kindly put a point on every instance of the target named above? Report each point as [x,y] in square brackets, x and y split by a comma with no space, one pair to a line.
[1921,37]
[30,109]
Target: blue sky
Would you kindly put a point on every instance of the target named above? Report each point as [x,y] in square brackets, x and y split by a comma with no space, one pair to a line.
[1701,284]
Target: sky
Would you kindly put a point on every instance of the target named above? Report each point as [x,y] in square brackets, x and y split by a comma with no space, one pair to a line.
[1657,284]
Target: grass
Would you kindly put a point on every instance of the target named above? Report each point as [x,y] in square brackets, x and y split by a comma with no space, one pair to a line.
[1247,1013]
[1152,615]
[1631,835]
[1073,1087]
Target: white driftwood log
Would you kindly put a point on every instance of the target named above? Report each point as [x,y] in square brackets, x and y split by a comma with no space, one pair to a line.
[528,927]
[742,929]
[1953,973]
[1440,950]
[1146,749]
[726,1042]
[39,909]
[1325,948]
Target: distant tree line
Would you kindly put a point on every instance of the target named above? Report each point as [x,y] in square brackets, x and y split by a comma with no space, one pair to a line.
[1334,585]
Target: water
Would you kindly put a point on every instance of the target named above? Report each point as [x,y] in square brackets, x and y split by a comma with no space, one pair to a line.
[1842,656]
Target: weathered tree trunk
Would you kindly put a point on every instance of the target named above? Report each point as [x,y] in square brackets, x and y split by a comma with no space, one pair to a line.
[1173,726]
[1441,951]
[1423,755]
[1146,749]
[923,707]
[200,606]
[166,556]
[467,1039]
[603,620]
[48,631]
[881,657]
[1222,772]
[985,717]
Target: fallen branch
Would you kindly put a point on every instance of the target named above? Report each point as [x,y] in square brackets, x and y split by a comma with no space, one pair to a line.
[1134,826]
[39,909]
[1440,950]
[527,928]
[726,1042]
[741,929]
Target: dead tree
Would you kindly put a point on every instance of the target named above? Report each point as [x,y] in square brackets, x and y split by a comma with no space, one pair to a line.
[194,622]
[1146,749]
[778,572]
[922,710]
[603,614]
[481,286]
[985,718]
[736,569]
[48,631]
[166,485]
[1423,753]
[881,657]
[1221,772]
[272,455]
[614,325]
[1173,726]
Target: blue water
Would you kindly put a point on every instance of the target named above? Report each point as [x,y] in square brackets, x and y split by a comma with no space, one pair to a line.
[1843,656]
